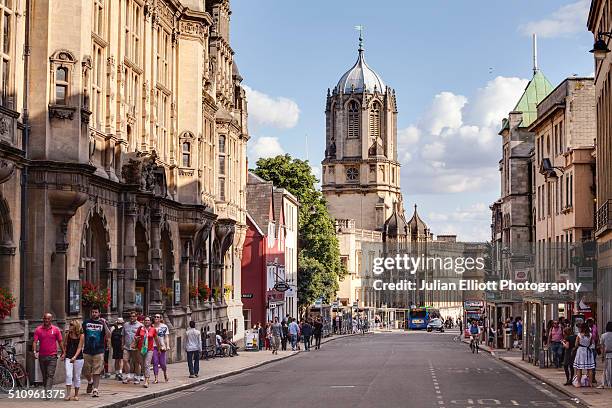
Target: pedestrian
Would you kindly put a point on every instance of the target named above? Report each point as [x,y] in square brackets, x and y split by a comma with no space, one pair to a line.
[606,356]
[269,335]
[277,334]
[306,333]
[595,345]
[147,338]
[97,335]
[554,343]
[117,346]
[159,353]
[193,346]
[460,324]
[73,358]
[584,357]
[131,356]
[261,331]
[317,331]
[294,331]
[569,345]
[48,337]
[285,336]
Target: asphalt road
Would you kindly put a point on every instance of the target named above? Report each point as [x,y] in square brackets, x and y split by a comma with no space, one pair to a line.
[414,369]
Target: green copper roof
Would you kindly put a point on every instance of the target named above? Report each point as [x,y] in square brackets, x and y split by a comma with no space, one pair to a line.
[537,89]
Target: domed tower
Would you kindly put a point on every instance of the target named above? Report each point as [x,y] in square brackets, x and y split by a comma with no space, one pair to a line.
[361,174]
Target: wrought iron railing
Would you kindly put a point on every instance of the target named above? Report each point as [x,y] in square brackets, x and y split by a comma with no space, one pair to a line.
[603,217]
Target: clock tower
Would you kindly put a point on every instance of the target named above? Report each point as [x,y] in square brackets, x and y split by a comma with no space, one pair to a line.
[360,172]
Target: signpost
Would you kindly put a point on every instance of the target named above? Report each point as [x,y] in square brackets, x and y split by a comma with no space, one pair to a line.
[281,286]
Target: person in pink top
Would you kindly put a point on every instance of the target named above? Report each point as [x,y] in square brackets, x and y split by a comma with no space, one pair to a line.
[555,339]
[48,337]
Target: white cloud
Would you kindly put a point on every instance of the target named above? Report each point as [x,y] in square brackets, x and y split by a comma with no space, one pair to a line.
[444,112]
[266,110]
[454,146]
[470,224]
[264,146]
[566,20]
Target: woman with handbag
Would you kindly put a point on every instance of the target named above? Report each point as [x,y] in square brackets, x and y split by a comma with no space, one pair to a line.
[159,354]
[73,359]
[146,337]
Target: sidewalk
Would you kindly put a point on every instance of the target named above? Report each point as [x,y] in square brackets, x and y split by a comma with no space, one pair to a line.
[113,393]
[592,397]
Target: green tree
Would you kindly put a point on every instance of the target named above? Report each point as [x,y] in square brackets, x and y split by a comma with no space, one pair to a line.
[319,266]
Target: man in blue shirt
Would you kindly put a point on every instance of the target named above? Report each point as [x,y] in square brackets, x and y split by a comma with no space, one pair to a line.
[96,333]
[294,331]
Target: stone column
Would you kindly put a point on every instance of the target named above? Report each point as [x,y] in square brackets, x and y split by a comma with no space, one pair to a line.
[184,279]
[120,290]
[129,255]
[59,269]
[155,304]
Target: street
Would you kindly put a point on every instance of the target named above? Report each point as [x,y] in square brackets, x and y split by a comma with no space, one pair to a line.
[398,369]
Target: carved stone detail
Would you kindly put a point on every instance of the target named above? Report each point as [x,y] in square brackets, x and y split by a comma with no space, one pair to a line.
[61,112]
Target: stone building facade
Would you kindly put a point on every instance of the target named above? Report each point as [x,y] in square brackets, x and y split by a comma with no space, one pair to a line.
[600,20]
[563,180]
[122,160]
[512,225]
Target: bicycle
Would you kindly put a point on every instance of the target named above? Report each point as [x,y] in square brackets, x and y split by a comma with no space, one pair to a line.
[8,362]
[474,345]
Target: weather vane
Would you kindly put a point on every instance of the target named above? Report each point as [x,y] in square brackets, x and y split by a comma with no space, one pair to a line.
[360,29]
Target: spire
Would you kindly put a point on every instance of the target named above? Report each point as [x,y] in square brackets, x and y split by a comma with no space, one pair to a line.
[360,29]
[535,53]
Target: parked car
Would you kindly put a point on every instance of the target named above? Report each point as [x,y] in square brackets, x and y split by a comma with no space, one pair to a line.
[435,324]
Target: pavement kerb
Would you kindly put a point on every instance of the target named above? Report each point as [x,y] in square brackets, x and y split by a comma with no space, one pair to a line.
[534,374]
[543,379]
[146,397]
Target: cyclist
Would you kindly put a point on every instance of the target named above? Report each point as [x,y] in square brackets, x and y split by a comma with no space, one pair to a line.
[474,336]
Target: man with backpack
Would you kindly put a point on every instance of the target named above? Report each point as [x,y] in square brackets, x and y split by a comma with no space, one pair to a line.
[97,335]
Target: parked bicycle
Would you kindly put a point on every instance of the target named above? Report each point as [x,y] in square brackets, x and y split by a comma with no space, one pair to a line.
[12,372]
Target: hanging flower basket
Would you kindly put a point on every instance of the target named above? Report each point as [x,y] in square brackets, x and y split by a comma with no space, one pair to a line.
[200,291]
[204,291]
[227,290]
[94,296]
[216,294]
[7,303]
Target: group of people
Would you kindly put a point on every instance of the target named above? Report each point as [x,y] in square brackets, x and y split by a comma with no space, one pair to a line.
[578,352]
[139,346]
[275,335]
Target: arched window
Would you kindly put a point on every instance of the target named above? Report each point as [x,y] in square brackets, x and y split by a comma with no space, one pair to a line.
[353,120]
[94,254]
[375,121]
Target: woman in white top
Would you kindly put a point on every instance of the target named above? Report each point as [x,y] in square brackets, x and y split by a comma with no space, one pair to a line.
[159,356]
[584,356]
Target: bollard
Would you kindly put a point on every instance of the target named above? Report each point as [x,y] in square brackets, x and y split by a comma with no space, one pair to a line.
[541,359]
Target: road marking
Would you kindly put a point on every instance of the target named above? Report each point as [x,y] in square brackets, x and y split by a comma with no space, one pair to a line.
[341,386]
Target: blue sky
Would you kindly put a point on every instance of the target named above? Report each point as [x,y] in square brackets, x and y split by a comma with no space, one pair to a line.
[457,67]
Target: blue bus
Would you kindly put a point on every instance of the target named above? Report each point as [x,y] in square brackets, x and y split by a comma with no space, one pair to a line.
[419,317]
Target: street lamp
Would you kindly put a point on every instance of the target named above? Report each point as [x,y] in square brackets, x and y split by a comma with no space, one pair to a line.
[600,48]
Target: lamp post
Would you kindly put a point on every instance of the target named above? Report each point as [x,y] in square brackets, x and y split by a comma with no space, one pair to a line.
[600,48]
